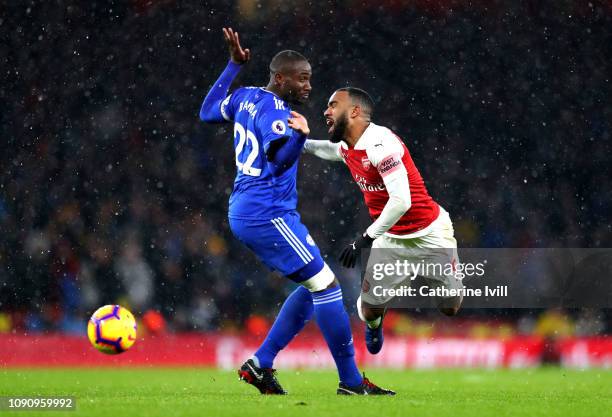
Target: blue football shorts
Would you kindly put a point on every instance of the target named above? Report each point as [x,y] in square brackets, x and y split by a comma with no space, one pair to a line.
[282,243]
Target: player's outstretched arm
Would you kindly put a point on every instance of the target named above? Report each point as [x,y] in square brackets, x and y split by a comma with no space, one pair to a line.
[212,110]
[324,149]
[283,153]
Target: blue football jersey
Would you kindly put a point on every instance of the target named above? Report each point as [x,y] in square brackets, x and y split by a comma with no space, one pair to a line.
[259,117]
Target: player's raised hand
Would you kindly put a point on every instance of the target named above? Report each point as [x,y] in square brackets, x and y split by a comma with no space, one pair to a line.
[237,54]
[299,123]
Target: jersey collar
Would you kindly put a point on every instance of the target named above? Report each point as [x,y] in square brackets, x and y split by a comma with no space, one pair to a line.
[270,92]
[363,139]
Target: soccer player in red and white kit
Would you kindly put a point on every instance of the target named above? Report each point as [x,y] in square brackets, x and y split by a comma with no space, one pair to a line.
[405,216]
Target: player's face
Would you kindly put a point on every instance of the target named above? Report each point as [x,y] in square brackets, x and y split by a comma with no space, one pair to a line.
[336,115]
[296,83]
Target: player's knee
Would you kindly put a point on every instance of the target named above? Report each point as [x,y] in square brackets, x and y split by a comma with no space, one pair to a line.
[449,311]
[323,280]
[450,306]
[367,312]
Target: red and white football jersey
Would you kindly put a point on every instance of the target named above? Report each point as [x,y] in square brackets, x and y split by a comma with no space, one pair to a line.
[380,153]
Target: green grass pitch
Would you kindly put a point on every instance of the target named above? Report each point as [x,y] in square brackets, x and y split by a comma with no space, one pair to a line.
[206,392]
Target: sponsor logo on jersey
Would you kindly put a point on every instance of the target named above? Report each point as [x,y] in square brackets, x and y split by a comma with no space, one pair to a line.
[388,164]
[371,187]
[278,127]
[364,186]
[365,162]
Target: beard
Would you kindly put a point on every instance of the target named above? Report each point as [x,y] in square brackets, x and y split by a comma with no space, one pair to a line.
[339,129]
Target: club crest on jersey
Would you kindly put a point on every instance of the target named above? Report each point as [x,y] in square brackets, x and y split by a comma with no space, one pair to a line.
[278,127]
[366,163]
[310,240]
[224,104]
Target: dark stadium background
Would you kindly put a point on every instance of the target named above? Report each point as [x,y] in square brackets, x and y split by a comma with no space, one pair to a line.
[112,190]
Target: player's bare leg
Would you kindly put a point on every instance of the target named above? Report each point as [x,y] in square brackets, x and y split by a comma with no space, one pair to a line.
[373,317]
[450,306]
[447,306]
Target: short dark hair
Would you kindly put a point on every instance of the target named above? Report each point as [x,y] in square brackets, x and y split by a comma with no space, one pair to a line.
[285,60]
[360,97]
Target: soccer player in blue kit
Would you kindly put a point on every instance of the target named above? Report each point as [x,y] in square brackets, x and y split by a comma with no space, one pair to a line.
[268,140]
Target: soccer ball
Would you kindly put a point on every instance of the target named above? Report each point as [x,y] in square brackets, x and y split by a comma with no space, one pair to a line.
[112,329]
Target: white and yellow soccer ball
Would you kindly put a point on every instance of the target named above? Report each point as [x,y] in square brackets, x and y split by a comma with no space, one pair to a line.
[112,329]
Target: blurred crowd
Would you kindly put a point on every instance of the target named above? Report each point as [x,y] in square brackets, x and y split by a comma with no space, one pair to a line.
[111,190]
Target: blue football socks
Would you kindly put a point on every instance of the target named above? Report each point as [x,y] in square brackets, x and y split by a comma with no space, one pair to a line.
[333,321]
[334,324]
[293,316]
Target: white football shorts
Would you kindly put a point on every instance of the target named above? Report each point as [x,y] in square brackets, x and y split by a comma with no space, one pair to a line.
[432,255]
